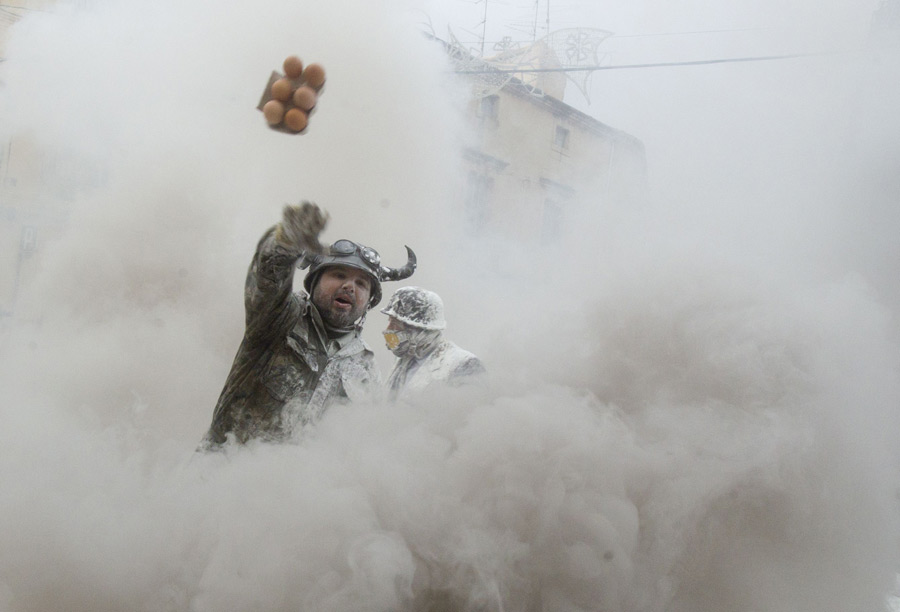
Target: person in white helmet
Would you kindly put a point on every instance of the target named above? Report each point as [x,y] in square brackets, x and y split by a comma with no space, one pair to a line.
[424,357]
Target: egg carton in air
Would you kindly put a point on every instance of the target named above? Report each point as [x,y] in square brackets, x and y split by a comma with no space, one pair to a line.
[293,96]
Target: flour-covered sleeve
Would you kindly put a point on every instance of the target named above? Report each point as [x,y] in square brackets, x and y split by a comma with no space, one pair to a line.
[468,371]
[268,291]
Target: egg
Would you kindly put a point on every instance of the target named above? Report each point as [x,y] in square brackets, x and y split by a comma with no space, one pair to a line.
[273,111]
[293,67]
[295,120]
[305,98]
[314,76]
[282,90]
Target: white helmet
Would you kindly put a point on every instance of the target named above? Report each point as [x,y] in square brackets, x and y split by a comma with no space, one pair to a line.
[417,307]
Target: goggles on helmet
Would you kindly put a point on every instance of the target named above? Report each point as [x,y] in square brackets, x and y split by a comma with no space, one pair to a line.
[346,247]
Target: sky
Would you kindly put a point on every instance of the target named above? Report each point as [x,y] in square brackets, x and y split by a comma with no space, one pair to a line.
[692,404]
[807,25]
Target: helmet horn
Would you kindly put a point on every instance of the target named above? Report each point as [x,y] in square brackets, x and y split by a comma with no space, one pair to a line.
[395,274]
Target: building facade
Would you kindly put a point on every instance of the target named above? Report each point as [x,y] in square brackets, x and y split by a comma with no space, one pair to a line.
[534,162]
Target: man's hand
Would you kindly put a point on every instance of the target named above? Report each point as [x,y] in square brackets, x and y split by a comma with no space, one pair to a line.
[300,227]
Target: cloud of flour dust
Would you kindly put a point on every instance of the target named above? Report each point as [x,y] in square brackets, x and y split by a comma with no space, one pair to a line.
[691,406]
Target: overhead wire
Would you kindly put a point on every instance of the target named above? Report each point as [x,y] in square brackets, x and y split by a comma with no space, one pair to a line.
[761,58]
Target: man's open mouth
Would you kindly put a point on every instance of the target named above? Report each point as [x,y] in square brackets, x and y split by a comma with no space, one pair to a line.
[343,302]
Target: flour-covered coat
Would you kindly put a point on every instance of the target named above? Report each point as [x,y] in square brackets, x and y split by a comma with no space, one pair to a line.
[283,376]
[445,364]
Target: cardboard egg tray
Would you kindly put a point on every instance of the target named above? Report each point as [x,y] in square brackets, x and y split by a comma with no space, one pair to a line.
[295,83]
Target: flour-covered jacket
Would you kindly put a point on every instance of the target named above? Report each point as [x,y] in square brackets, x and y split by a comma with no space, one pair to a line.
[286,372]
[446,363]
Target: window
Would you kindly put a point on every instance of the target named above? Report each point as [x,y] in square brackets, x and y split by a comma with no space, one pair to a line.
[478,190]
[558,198]
[552,222]
[29,239]
[561,139]
[489,109]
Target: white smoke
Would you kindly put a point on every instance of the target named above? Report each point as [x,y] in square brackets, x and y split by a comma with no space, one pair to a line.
[693,404]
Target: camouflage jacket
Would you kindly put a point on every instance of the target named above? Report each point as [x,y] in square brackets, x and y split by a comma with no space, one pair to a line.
[283,376]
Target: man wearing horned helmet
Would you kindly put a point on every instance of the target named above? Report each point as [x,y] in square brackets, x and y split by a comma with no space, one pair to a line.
[301,352]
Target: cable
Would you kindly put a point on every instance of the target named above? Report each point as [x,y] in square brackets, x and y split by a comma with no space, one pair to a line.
[627,66]
[690,32]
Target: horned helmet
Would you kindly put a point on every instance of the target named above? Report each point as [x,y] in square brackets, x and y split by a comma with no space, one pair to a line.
[348,253]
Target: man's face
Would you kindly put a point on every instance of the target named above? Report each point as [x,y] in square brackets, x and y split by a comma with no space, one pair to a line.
[341,295]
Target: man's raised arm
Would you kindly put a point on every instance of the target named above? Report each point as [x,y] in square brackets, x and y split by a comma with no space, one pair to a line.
[269,284]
